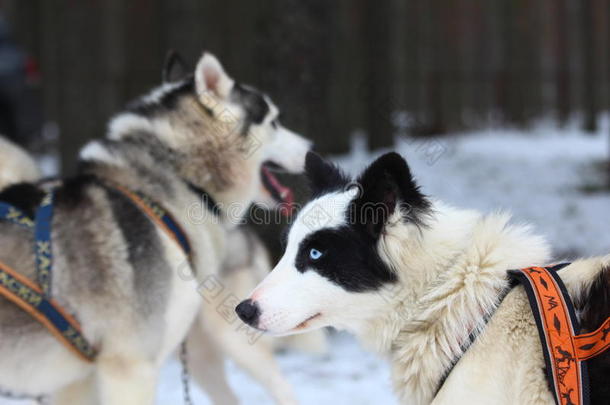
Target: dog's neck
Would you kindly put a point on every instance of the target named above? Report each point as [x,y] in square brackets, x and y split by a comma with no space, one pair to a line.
[451,275]
[132,156]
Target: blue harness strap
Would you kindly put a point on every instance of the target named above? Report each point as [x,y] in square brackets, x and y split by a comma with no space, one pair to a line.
[43,247]
[11,214]
[29,297]
[35,297]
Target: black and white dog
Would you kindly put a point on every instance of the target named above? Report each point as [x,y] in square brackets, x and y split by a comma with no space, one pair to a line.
[413,278]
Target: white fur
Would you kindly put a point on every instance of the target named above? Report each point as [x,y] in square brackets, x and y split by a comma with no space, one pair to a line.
[16,165]
[288,149]
[157,94]
[126,123]
[96,152]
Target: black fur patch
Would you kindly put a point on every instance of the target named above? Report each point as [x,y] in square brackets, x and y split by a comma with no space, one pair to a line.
[595,312]
[144,250]
[387,185]
[324,177]
[348,259]
[174,68]
[350,256]
[72,192]
[253,102]
[25,196]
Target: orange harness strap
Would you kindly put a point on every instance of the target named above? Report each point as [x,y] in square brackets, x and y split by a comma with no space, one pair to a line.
[592,344]
[564,349]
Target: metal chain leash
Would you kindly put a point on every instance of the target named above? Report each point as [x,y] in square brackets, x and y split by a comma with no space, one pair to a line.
[186,383]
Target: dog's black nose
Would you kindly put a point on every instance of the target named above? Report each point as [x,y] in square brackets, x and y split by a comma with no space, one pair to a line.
[248,312]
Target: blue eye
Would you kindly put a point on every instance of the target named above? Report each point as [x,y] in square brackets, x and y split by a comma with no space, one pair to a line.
[315,254]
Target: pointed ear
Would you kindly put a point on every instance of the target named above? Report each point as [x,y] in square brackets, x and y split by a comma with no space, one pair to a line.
[323,176]
[174,69]
[211,79]
[387,186]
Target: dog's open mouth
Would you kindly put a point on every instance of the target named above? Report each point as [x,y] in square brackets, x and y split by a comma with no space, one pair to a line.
[303,324]
[280,193]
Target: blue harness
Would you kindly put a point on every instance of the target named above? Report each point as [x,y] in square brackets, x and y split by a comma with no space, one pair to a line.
[35,297]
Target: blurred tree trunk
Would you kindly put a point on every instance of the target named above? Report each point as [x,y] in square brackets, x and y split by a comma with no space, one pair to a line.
[80,72]
[144,46]
[479,66]
[432,64]
[185,25]
[413,74]
[347,104]
[607,69]
[304,60]
[377,85]
[22,105]
[520,93]
[504,82]
[562,52]
[452,56]
[589,66]
[112,46]
[532,37]
[399,76]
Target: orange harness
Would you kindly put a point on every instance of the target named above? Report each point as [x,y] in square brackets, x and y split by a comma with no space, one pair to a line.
[565,350]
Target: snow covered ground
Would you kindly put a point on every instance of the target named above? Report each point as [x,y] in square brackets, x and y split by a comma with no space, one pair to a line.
[347,375]
[538,176]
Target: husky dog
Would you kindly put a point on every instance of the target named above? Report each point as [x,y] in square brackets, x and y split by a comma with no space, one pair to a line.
[213,337]
[131,287]
[413,278]
[246,265]
[16,165]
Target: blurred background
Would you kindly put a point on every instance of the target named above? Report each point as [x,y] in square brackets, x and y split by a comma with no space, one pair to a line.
[497,104]
[418,66]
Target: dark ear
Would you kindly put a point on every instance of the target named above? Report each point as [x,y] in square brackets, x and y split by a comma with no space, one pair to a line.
[324,177]
[386,186]
[174,68]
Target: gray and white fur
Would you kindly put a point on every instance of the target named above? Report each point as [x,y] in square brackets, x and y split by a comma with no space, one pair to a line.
[128,283]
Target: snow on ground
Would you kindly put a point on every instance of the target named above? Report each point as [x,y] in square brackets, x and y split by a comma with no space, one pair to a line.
[347,375]
[536,175]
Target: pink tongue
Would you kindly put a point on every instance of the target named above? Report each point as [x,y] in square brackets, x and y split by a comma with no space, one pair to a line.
[286,194]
